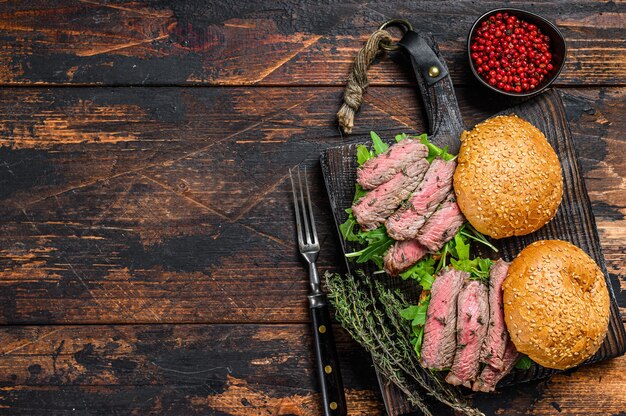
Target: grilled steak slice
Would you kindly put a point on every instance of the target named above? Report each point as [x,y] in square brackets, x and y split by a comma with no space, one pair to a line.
[383,167]
[405,223]
[490,376]
[439,345]
[442,225]
[372,210]
[471,322]
[497,335]
[402,255]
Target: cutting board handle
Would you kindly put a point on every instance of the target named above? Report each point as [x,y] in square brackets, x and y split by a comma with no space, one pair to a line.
[442,109]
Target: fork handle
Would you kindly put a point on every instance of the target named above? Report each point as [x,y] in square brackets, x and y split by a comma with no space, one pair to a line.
[329,375]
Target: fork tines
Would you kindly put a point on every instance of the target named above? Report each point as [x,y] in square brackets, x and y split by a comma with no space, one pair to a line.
[304,211]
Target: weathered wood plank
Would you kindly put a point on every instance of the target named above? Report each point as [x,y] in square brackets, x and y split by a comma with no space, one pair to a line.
[228,42]
[200,369]
[152,205]
[235,370]
[187,218]
[594,390]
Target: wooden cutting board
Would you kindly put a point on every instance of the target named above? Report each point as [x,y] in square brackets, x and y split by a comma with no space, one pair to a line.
[574,221]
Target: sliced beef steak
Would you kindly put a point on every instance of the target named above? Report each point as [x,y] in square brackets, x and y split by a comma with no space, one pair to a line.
[491,376]
[442,225]
[383,167]
[439,345]
[471,322]
[405,223]
[497,335]
[372,210]
[402,255]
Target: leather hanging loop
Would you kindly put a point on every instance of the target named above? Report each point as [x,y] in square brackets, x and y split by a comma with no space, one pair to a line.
[431,72]
[437,92]
[424,60]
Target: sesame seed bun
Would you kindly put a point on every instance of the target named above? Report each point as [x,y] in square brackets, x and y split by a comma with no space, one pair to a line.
[556,304]
[508,180]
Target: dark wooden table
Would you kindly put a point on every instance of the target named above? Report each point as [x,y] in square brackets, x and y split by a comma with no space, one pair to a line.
[148,261]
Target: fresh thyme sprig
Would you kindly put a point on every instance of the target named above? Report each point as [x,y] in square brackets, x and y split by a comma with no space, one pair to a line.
[371,314]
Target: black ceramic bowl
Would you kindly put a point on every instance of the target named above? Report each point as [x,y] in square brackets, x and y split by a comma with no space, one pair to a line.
[557,48]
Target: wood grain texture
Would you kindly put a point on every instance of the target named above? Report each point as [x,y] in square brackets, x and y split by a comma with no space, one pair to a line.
[169,225]
[287,42]
[234,370]
[158,218]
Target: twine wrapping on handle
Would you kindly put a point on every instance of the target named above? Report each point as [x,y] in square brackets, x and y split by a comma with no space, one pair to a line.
[357,81]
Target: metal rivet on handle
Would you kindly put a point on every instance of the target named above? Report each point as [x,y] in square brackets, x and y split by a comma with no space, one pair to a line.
[322,329]
[333,406]
[328,369]
[433,71]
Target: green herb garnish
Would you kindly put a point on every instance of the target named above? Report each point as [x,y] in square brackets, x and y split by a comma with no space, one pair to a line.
[478,268]
[524,363]
[400,137]
[417,315]
[434,151]
[379,145]
[375,243]
[422,272]
[470,232]
[371,313]
[363,154]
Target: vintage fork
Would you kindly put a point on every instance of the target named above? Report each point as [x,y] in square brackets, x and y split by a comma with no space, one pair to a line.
[331,385]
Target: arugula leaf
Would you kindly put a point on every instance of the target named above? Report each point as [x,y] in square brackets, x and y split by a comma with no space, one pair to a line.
[420,137]
[363,154]
[417,341]
[376,243]
[417,315]
[462,249]
[477,268]
[347,228]
[375,235]
[484,265]
[434,151]
[379,145]
[400,137]
[409,313]
[427,281]
[524,363]
[374,249]
[445,155]
[420,315]
[443,255]
[422,272]
[459,250]
[475,235]
[359,192]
